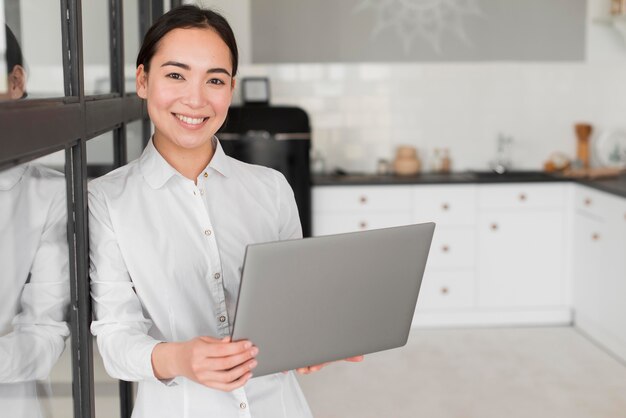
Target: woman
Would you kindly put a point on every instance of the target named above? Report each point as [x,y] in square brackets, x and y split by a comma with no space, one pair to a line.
[168,235]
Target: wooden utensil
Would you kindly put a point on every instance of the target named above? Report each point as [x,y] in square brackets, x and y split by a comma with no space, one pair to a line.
[583,132]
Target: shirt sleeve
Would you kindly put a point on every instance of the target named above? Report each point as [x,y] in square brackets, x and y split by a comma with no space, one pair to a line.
[40,328]
[288,217]
[119,323]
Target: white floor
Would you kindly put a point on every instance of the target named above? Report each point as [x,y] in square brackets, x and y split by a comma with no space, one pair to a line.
[447,373]
[476,373]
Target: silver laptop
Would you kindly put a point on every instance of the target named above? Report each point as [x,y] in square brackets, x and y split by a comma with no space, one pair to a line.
[309,301]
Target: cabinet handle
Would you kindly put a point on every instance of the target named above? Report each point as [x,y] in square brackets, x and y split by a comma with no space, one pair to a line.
[363,225]
[587,201]
[444,290]
[595,236]
[445,206]
[494,226]
[363,200]
[445,248]
[522,197]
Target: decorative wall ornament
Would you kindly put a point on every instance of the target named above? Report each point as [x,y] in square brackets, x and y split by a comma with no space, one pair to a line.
[428,19]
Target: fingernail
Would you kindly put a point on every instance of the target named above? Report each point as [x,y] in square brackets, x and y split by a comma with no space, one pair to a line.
[253,364]
[247,345]
[254,351]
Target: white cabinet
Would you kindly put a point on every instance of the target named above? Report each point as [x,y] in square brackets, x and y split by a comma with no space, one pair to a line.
[338,209]
[502,253]
[521,245]
[449,282]
[599,273]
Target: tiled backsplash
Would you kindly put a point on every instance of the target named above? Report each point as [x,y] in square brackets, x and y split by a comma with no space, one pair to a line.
[362,112]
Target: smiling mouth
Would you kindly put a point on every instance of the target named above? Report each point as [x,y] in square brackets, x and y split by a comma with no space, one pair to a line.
[189,120]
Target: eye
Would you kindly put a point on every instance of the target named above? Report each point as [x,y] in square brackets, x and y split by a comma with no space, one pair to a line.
[175,76]
[216,82]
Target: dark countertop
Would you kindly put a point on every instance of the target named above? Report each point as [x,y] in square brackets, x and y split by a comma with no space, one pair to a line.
[616,186]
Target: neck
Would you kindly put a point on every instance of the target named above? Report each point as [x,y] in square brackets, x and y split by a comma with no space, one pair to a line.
[188,162]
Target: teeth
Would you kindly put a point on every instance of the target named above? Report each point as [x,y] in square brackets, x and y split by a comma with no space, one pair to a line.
[191,121]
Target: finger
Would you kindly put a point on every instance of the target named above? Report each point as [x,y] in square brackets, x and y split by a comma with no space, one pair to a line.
[317,367]
[355,359]
[302,370]
[210,340]
[229,387]
[235,373]
[227,363]
[227,349]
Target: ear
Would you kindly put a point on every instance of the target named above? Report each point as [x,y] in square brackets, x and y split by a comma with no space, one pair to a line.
[17,82]
[232,84]
[141,82]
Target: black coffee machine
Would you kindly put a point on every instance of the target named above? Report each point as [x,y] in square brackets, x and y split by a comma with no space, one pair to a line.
[274,136]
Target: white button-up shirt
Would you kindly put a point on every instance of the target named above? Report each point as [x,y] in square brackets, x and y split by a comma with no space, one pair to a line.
[34,285]
[166,255]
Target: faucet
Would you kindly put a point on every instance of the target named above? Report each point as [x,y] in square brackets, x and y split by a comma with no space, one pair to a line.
[502,162]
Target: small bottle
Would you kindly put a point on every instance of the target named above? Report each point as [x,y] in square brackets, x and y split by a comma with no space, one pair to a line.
[435,164]
[446,163]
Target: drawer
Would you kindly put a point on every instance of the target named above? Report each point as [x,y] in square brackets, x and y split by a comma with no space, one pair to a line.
[521,195]
[444,205]
[452,248]
[326,223]
[445,290]
[599,205]
[361,198]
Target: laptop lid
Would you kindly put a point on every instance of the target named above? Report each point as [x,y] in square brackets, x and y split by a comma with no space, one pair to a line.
[309,301]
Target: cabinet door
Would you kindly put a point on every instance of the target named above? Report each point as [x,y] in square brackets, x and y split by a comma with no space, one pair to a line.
[590,272]
[327,223]
[446,290]
[619,257]
[445,205]
[614,269]
[521,258]
[452,248]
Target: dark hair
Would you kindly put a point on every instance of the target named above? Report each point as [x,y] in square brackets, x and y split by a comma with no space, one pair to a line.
[14,52]
[185,17]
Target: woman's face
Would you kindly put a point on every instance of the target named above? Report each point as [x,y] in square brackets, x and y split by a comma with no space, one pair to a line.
[189,87]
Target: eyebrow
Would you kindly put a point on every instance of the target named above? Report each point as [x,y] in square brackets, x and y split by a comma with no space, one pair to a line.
[186,67]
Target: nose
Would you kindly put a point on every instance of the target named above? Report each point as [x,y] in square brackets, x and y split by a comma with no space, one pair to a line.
[195,96]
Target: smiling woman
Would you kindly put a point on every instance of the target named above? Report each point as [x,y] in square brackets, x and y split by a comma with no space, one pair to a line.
[168,234]
[188,90]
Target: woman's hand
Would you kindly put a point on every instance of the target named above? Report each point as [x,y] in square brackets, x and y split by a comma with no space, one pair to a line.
[318,367]
[218,364]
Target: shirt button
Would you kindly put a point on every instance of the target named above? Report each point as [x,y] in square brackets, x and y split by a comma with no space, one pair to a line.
[243,405]
[207,232]
[217,276]
[222,318]
[206,174]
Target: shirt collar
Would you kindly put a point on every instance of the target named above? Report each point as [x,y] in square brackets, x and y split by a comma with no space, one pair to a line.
[154,168]
[157,171]
[10,177]
[220,161]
